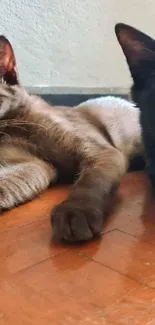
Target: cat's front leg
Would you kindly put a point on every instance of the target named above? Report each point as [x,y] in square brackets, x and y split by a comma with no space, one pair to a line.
[81,217]
[22,177]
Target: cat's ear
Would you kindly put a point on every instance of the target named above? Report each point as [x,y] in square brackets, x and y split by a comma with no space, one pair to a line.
[8,67]
[139,50]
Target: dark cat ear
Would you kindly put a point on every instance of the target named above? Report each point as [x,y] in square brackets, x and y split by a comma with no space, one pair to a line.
[138,48]
[8,68]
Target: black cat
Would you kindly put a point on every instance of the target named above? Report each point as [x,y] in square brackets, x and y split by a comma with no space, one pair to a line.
[139,50]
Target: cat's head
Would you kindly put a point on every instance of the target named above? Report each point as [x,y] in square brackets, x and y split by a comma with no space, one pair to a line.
[139,50]
[13,96]
[8,67]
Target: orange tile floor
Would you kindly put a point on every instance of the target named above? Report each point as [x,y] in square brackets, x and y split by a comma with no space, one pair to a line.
[109,281]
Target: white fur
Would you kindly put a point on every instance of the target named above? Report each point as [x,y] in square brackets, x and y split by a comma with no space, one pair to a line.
[121,119]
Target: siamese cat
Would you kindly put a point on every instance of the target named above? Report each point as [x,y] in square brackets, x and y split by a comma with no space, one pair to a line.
[139,50]
[94,142]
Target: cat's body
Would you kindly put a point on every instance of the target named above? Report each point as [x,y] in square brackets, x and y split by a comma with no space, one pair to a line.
[96,140]
[60,135]
[93,142]
[54,131]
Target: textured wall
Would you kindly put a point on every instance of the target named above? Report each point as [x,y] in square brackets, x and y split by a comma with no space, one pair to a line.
[71,43]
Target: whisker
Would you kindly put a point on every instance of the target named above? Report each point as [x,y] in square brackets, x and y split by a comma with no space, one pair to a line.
[18,123]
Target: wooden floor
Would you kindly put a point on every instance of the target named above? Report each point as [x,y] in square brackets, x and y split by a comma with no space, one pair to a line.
[109,281]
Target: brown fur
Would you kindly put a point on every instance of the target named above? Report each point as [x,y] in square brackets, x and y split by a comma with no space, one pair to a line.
[38,143]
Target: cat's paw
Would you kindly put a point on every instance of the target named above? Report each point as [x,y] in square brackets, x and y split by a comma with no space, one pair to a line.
[72,222]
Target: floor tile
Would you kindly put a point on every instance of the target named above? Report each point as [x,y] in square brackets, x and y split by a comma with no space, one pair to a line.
[65,290]
[26,246]
[126,254]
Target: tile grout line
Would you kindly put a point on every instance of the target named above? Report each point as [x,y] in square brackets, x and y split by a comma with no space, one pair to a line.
[40,262]
[119,272]
[134,236]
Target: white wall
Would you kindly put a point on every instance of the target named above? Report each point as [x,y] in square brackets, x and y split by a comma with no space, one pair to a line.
[71,43]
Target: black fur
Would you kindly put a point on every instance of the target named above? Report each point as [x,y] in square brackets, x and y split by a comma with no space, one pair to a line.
[139,50]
